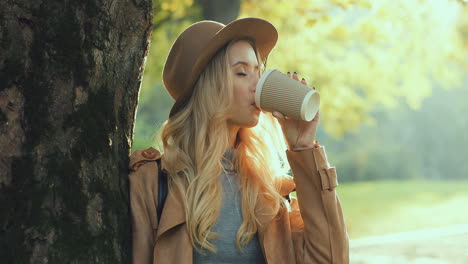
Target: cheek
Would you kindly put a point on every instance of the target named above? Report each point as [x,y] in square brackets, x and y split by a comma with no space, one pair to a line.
[240,91]
[237,94]
[236,88]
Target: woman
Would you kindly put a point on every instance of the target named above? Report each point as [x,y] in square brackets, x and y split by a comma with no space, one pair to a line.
[227,164]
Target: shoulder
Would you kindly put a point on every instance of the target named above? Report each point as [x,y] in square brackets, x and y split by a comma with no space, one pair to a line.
[144,170]
[143,167]
[141,157]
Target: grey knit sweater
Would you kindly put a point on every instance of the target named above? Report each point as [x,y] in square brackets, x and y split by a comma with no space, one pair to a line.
[228,224]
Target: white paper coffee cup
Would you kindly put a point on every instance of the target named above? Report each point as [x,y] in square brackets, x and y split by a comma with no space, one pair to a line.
[277,92]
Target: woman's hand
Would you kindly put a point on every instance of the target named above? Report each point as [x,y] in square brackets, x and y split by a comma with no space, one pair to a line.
[299,134]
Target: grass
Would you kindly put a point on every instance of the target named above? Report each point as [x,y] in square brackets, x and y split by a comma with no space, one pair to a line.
[383,207]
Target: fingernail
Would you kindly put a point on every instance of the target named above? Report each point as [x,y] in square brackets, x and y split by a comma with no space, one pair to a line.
[303,79]
[289,72]
[295,73]
[313,87]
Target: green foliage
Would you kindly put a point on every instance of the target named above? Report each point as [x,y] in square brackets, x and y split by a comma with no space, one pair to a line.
[428,143]
[376,63]
[362,55]
[170,18]
[153,110]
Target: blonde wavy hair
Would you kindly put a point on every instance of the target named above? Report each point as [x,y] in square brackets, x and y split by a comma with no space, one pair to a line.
[194,142]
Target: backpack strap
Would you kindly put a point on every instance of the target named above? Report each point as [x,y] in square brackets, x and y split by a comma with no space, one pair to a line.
[162,188]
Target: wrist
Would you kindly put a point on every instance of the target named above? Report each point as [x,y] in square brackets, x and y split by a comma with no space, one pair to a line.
[302,147]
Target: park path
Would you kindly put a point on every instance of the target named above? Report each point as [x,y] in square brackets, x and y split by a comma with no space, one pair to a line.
[446,245]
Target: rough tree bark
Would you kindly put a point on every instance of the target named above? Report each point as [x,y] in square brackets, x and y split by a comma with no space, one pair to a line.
[69,81]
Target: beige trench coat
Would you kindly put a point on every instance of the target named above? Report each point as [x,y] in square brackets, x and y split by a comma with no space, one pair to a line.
[311,231]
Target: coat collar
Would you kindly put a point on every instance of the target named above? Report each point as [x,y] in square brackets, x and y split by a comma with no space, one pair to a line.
[173,213]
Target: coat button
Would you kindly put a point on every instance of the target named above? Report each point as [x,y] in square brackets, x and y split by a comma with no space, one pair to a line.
[150,153]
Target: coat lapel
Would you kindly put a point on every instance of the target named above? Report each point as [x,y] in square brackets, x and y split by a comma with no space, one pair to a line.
[274,232]
[173,213]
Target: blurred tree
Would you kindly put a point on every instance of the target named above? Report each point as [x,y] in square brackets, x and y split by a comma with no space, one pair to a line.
[223,11]
[429,143]
[362,54]
[69,78]
[171,17]
[403,145]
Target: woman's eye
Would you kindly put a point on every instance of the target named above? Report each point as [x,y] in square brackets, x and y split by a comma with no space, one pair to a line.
[241,74]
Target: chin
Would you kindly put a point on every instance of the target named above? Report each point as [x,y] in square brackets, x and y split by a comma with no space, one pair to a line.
[246,121]
[250,126]
[251,123]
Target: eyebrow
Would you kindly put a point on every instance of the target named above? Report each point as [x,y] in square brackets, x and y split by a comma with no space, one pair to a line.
[243,63]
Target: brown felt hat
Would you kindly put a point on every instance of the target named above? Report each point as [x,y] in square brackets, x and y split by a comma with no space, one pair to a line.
[198,44]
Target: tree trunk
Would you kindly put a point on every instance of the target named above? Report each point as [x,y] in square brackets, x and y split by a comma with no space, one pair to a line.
[224,11]
[69,82]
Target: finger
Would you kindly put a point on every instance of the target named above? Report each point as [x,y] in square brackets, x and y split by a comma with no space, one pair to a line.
[278,115]
[295,76]
[317,116]
[289,74]
[303,81]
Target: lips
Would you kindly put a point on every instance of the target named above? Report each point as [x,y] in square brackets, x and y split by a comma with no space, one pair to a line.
[254,105]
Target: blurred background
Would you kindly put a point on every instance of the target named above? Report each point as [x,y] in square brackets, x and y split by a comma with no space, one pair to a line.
[393,78]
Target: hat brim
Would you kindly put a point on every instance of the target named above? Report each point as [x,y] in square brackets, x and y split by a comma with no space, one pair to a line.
[262,32]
